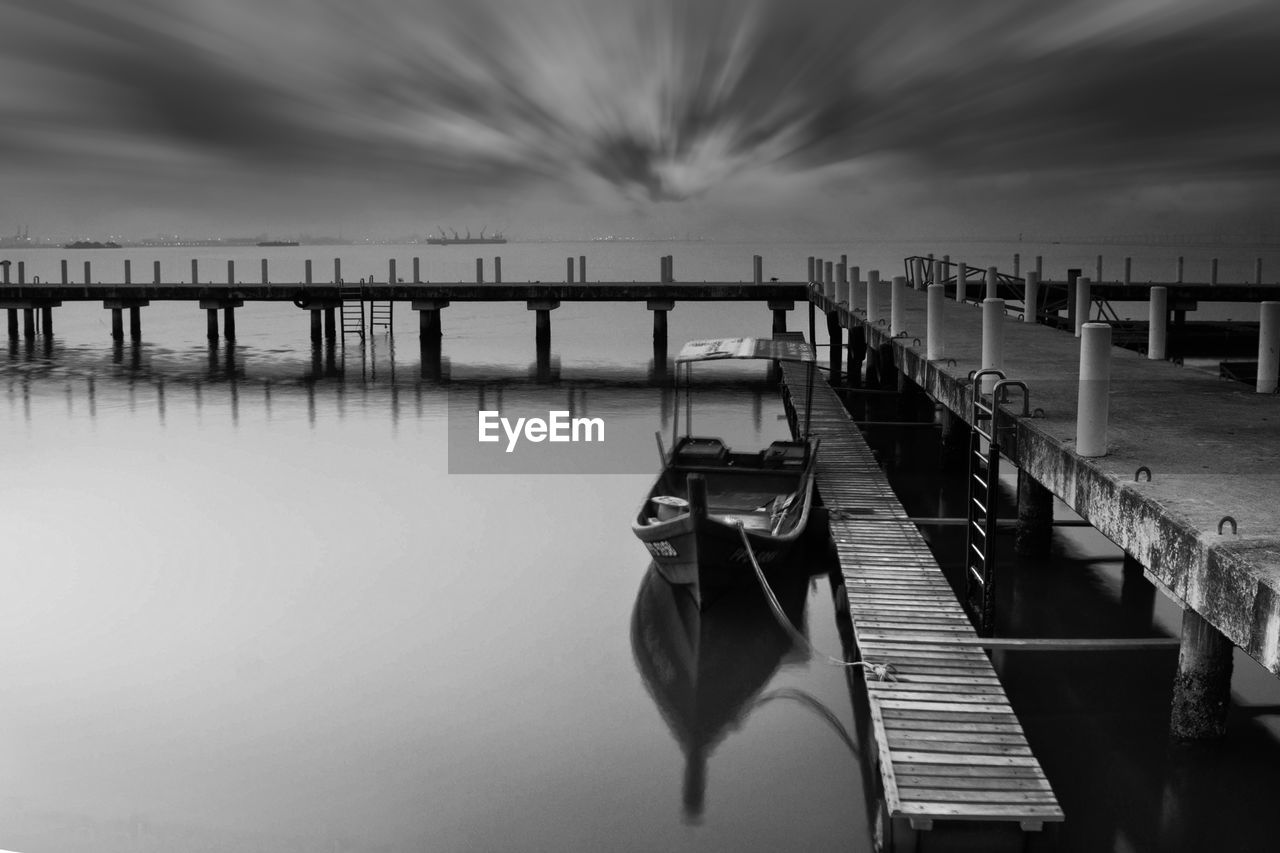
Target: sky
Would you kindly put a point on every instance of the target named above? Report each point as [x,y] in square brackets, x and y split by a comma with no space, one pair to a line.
[731,119]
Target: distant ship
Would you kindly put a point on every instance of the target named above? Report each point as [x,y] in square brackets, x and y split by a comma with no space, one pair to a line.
[277,242]
[91,244]
[447,240]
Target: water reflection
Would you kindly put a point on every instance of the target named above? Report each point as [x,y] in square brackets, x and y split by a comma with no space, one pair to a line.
[706,669]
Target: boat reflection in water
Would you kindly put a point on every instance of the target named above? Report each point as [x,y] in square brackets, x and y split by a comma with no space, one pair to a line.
[706,668]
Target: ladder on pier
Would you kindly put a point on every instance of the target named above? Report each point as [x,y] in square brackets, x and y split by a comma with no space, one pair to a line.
[352,297]
[980,531]
[380,314]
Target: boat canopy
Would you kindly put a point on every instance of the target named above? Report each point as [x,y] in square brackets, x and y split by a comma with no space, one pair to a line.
[718,348]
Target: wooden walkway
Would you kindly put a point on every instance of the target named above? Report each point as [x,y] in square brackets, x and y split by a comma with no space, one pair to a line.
[949,744]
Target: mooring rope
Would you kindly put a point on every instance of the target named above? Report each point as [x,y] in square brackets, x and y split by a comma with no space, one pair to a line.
[881,671]
[815,705]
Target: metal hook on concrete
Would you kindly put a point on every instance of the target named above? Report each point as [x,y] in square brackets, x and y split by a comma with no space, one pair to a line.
[1137,475]
[951,362]
[915,342]
[1225,519]
[1038,413]
[1022,316]
[903,335]
[882,322]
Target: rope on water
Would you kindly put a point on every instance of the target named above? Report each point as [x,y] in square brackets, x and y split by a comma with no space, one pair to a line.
[881,671]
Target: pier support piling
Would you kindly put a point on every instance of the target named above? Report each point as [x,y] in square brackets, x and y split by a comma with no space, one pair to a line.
[836,336]
[429,326]
[1268,347]
[780,307]
[212,323]
[934,346]
[135,323]
[1157,323]
[1202,686]
[542,323]
[13,324]
[962,281]
[660,307]
[229,323]
[317,333]
[1095,387]
[954,442]
[29,322]
[1083,298]
[1034,532]
[898,306]
[331,323]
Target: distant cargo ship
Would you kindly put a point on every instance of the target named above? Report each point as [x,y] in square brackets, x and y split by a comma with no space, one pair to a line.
[447,240]
[278,243]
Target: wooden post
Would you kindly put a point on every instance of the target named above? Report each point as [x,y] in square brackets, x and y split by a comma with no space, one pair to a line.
[13,324]
[195,271]
[829,281]
[1031,297]
[66,281]
[1040,266]
[1202,685]
[1017,265]
[809,278]
[307,272]
[480,271]
[582,269]
[1257,271]
[392,278]
[213,325]
[497,270]
[1157,322]
[1073,279]
[568,275]
[265,278]
[337,271]
[856,296]
[86,272]
[1034,533]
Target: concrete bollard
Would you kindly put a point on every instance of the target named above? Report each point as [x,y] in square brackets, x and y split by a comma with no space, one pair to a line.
[992,340]
[1268,347]
[1095,386]
[195,272]
[939,273]
[1082,303]
[306,272]
[898,306]
[1031,298]
[417,270]
[1157,323]
[128,272]
[992,280]
[934,338]
[231,272]
[962,286]
[873,296]
[757,269]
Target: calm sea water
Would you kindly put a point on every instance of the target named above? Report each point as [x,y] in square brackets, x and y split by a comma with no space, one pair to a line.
[247,608]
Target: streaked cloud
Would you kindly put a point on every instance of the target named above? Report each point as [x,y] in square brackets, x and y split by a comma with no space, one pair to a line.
[659,101]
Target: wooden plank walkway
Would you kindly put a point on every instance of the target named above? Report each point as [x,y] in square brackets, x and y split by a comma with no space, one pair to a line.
[949,744]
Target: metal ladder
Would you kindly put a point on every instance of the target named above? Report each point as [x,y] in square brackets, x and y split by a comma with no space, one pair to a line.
[352,297]
[983,501]
[380,314]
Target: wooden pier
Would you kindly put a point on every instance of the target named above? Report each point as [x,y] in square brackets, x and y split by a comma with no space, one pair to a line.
[949,745]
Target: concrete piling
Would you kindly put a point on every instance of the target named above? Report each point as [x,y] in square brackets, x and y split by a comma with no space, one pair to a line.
[992,340]
[29,323]
[229,323]
[1095,385]
[934,346]
[1031,298]
[898,306]
[962,283]
[856,296]
[829,281]
[1128,270]
[660,307]
[1202,685]
[417,271]
[1040,266]
[568,275]
[873,296]
[497,269]
[316,333]
[1157,322]
[195,272]
[231,272]
[117,324]
[1082,304]
[212,324]
[582,269]
[843,288]
[954,442]
[757,269]
[480,271]
[135,323]
[1268,347]
[1034,533]
[128,272]
[835,335]
[265,278]
[993,277]
[809,278]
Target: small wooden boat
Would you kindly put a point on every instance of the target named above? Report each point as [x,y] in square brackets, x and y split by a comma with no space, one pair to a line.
[707,497]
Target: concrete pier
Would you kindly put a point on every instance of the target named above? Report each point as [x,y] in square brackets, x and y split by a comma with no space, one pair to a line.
[1160,417]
